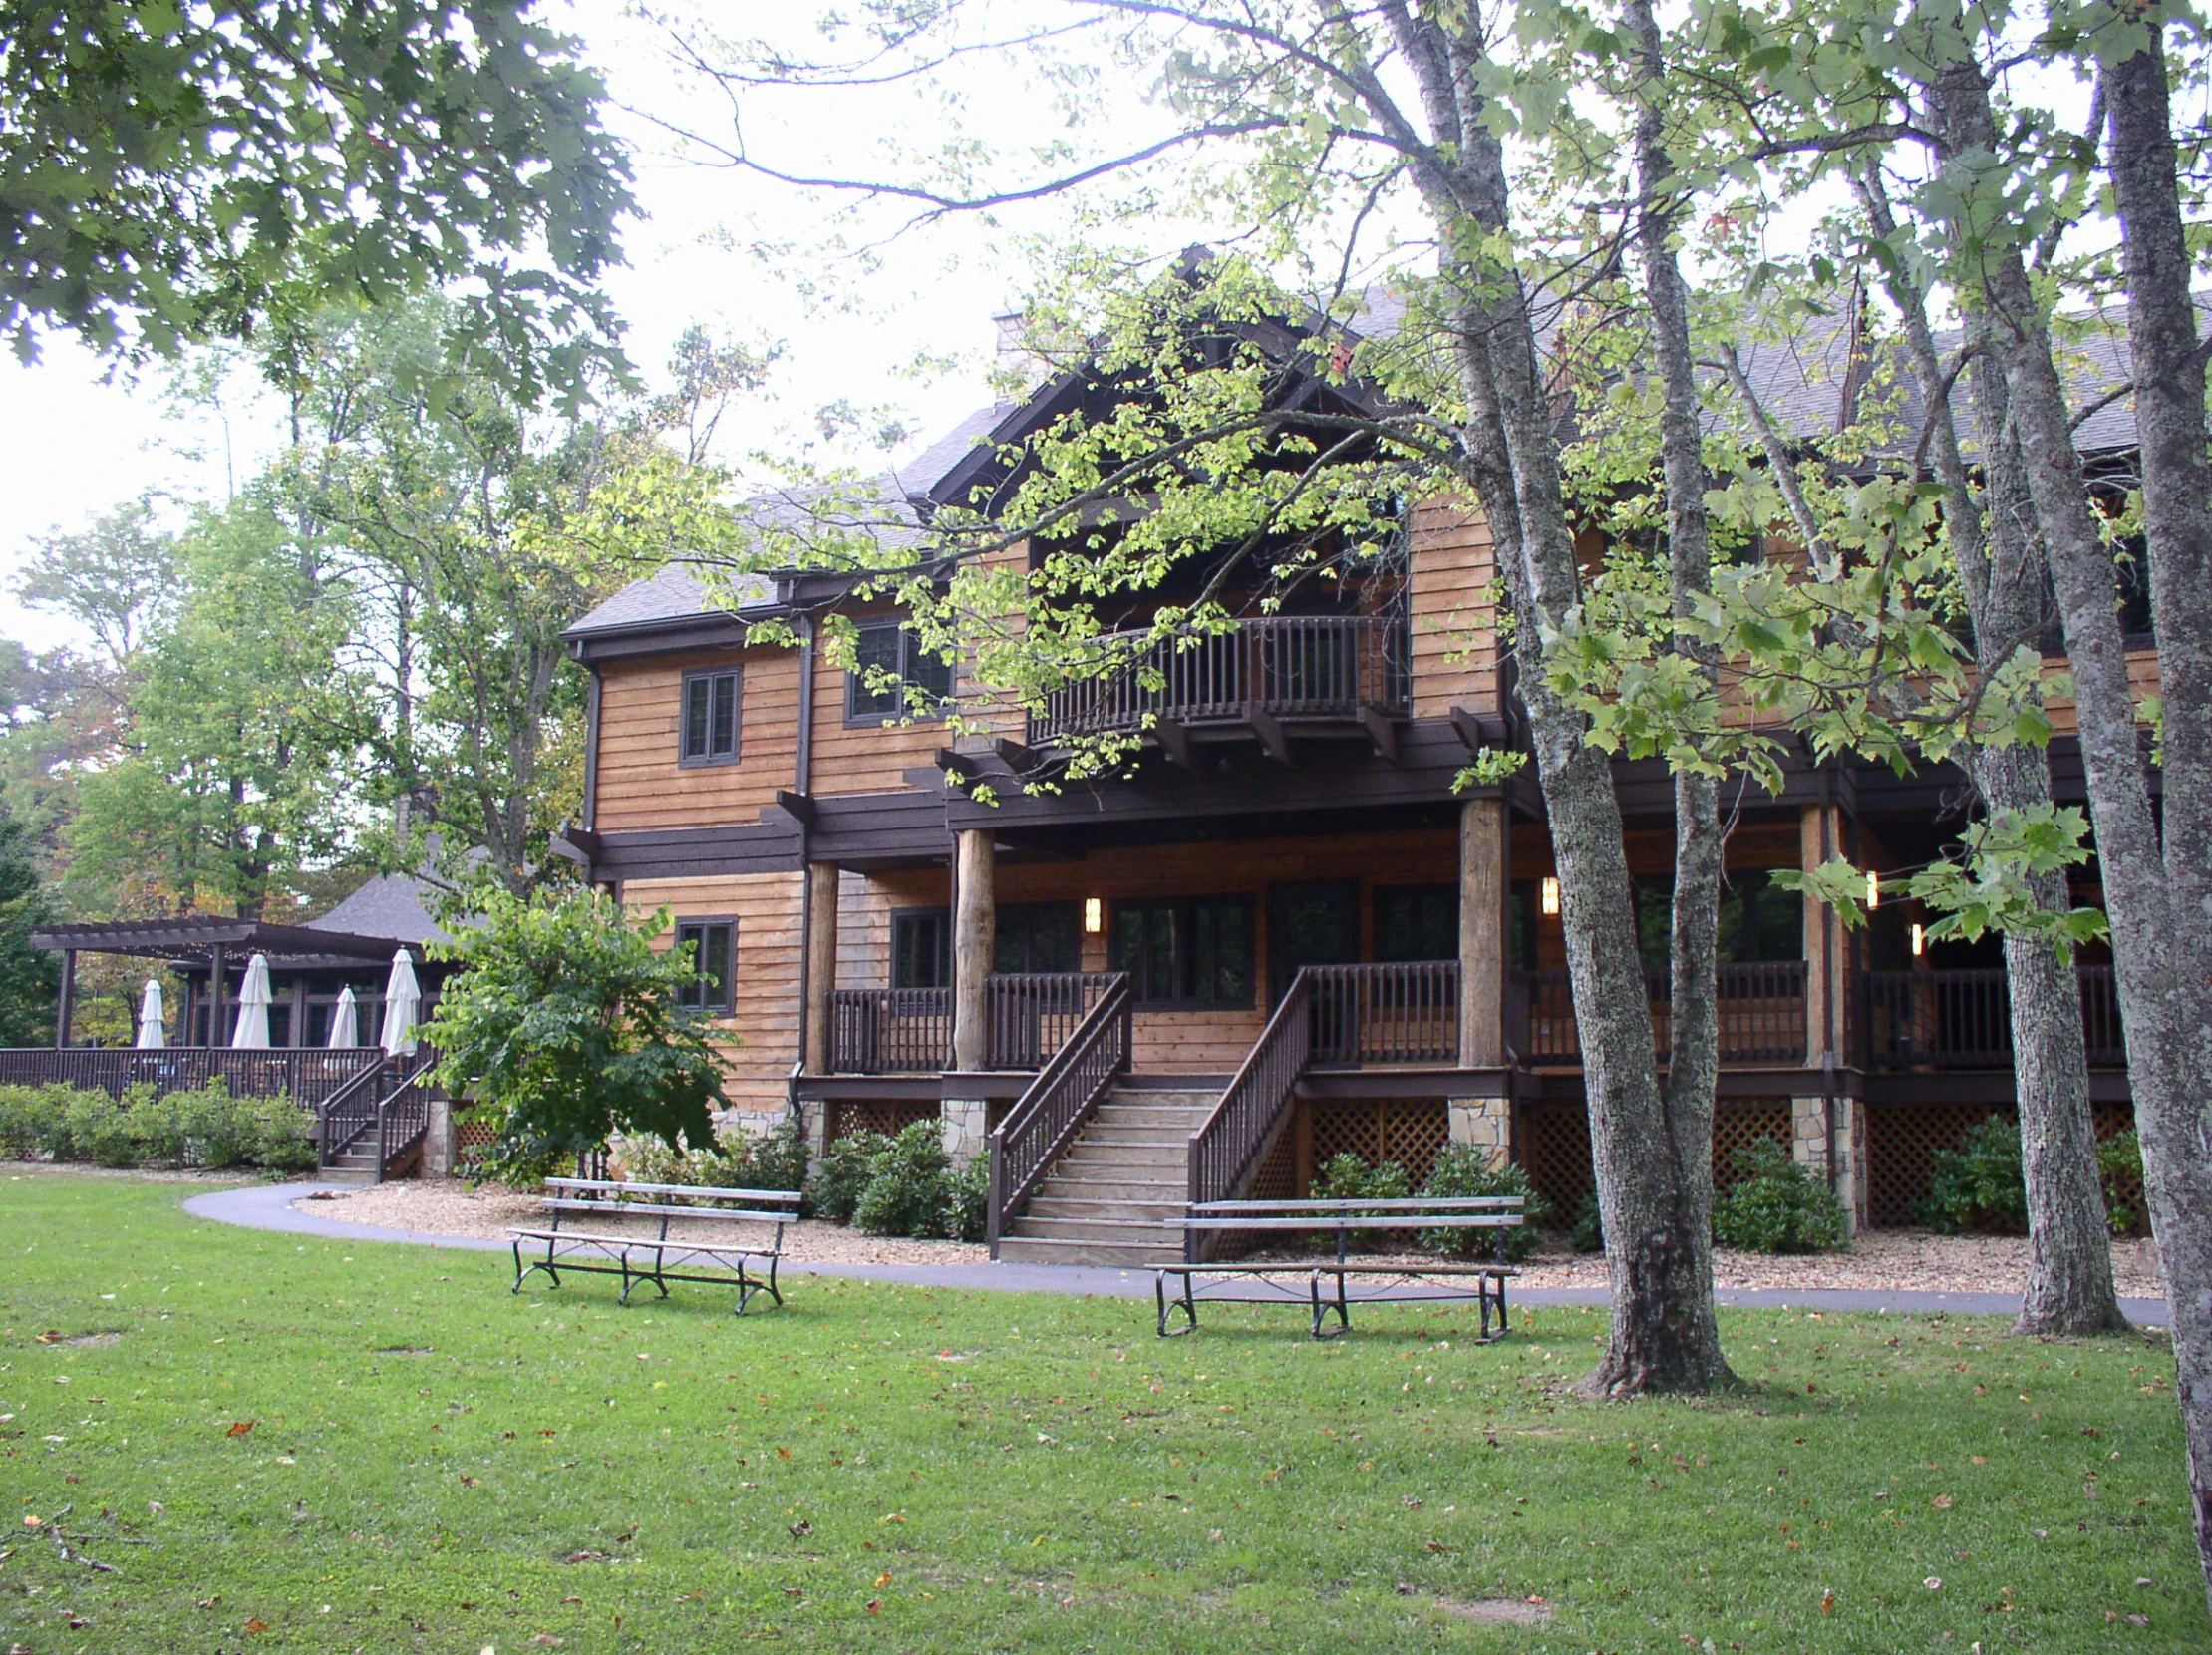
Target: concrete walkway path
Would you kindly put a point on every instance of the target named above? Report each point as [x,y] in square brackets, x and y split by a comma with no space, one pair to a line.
[269,1207]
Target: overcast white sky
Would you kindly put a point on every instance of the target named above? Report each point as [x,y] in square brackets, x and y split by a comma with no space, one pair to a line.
[75,441]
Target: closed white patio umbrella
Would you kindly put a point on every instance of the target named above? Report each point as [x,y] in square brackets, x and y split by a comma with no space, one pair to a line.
[254,1000]
[401,995]
[345,1021]
[152,1035]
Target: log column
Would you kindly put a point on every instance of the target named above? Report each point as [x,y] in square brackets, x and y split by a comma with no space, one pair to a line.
[1819,842]
[1482,933]
[975,927]
[821,963]
[218,967]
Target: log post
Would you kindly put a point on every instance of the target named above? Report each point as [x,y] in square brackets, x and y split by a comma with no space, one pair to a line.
[821,965]
[218,967]
[974,942]
[1818,840]
[1482,933]
[65,1006]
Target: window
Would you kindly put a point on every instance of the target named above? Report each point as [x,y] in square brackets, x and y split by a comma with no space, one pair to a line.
[1758,920]
[1194,951]
[887,647]
[714,952]
[1416,922]
[1039,936]
[710,717]
[921,948]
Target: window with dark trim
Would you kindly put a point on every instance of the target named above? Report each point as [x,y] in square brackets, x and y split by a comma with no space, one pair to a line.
[1039,936]
[1758,919]
[1416,922]
[714,956]
[711,717]
[888,661]
[1187,952]
[921,948]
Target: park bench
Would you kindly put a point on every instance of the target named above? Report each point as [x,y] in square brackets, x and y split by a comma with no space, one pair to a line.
[570,1243]
[1178,1288]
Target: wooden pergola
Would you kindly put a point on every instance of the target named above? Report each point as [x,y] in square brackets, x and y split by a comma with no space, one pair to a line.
[218,941]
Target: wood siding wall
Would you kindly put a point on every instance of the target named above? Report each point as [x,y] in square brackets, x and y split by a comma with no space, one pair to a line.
[1453,611]
[641,784]
[764,1030]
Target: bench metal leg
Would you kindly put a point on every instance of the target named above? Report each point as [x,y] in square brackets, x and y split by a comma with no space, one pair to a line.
[1186,1302]
[523,1270]
[1322,1306]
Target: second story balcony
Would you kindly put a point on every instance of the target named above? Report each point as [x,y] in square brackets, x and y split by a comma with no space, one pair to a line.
[1264,673]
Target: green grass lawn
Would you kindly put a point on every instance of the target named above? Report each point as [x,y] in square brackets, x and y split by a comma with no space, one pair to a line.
[433,1463]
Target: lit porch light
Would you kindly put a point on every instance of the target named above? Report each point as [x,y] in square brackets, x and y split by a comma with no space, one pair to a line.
[1550,894]
[1873,888]
[1093,915]
[1920,941]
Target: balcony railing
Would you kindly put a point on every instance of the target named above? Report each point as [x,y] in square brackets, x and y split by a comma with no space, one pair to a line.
[1286,666]
[895,1031]
[1763,1014]
[1383,1014]
[306,1074]
[1963,1019]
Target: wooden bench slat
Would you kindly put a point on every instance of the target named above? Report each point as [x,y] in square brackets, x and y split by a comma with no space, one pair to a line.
[1440,1221]
[696,1192]
[1394,1203]
[723,1214]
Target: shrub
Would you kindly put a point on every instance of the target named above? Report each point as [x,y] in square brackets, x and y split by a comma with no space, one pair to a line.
[967,1200]
[283,1138]
[1348,1178]
[2119,1167]
[1588,1234]
[846,1168]
[1776,1205]
[776,1158]
[909,1188]
[156,1127]
[1977,1187]
[1463,1170]
[23,1121]
[98,1130]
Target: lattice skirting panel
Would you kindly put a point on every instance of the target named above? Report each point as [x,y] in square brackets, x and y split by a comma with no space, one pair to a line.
[887,1115]
[1902,1141]
[1552,1142]
[1411,1132]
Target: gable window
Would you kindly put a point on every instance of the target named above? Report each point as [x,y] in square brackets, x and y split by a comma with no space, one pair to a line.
[1189,951]
[1039,936]
[1416,922]
[921,948]
[714,954]
[887,648]
[711,717]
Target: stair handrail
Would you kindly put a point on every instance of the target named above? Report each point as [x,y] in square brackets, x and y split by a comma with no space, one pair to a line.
[1065,1094]
[368,1081]
[1228,1145]
[413,1068]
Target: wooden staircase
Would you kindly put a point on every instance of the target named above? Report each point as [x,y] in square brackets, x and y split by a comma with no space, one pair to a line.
[1112,1199]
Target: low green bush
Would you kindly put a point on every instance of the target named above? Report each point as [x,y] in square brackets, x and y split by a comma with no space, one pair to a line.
[909,1188]
[283,1135]
[28,1116]
[1349,1178]
[208,1127]
[1587,1234]
[967,1200]
[1977,1187]
[772,1160]
[1462,1169]
[1776,1205]
[847,1167]
[2119,1167]
[100,1132]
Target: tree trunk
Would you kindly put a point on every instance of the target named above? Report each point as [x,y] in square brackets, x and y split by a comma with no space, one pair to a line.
[2177,518]
[2165,1047]
[1662,1333]
[2070,1287]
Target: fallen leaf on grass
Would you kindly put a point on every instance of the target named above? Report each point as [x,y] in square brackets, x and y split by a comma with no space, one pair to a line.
[585,1557]
[547,1640]
[238,1428]
[875,1606]
[1941,1502]
[800,1529]
[253,1626]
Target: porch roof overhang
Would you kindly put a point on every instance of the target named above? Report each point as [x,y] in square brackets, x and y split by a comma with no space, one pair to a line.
[167,938]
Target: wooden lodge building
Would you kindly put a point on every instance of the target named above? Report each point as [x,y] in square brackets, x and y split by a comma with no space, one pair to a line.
[1283,936]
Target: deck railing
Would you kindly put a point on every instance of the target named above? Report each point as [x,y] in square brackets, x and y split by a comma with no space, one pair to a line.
[1762,1012]
[890,1030]
[307,1073]
[1963,1019]
[1383,1014]
[403,1114]
[1032,1013]
[1290,666]
[1062,1097]
[1229,1146]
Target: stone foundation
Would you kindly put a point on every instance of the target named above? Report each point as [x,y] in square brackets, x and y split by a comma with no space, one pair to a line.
[1810,1148]
[1485,1123]
[966,1133]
